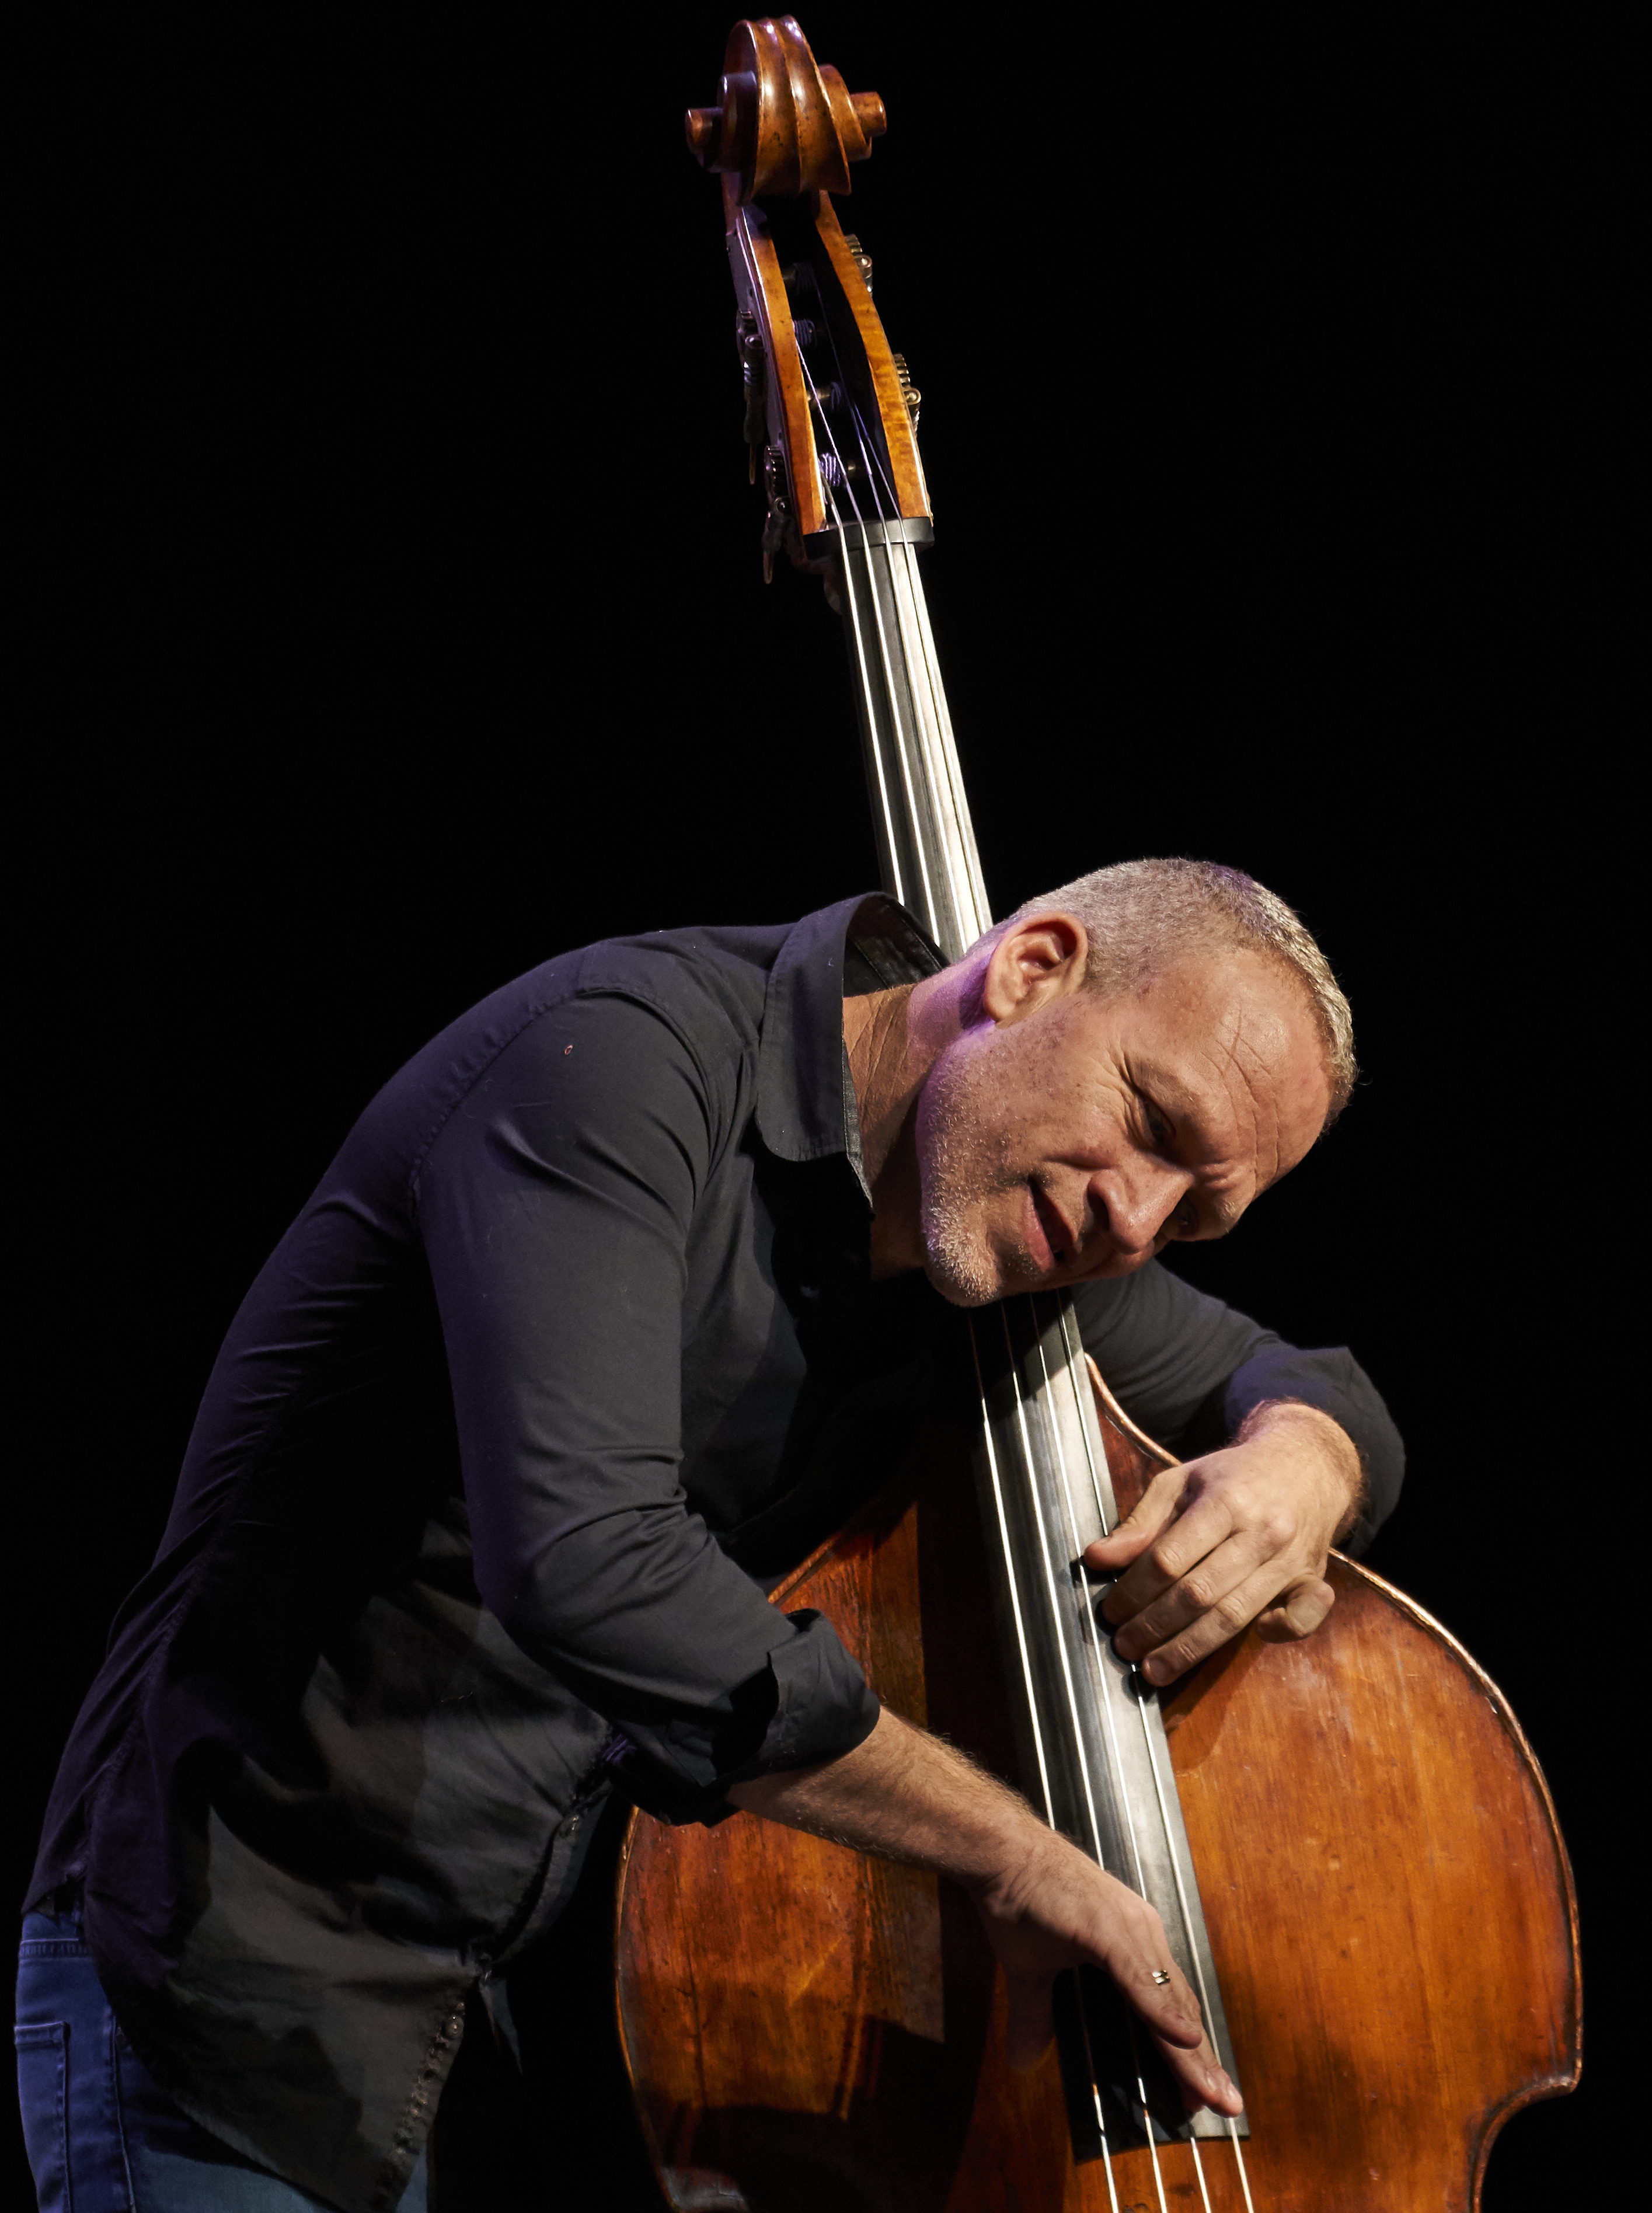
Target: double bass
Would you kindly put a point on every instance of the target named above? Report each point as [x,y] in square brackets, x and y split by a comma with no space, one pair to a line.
[1349,1840]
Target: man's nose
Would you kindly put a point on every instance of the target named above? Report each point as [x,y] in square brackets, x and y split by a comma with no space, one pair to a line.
[1138,1209]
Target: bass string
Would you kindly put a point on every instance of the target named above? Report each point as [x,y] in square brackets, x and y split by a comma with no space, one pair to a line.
[1032,1710]
[891,694]
[1053,1427]
[1075,1370]
[1199,2173]
[1078,1735]
[1014,1595]
[968,894]
[1187,1923]
[1019,1620]
[1017,1612]
[892,843]
[1051,1590]
[869,454]
[872,469]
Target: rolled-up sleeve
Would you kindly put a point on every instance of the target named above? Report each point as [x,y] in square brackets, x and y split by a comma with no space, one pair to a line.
[1188,1370]
[556,1209]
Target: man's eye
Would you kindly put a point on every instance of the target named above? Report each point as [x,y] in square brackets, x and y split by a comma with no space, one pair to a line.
[1158,1128]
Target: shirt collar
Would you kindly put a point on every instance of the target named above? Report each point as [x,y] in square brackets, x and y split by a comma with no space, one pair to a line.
[805,1106]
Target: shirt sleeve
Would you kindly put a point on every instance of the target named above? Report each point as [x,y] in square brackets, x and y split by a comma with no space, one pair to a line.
[1188,1370]
[555,1208]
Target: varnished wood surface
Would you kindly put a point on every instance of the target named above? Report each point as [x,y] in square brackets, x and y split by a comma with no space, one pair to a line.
[911,494]
[788,126]
[1386,1893]
[785,123]
[748,238]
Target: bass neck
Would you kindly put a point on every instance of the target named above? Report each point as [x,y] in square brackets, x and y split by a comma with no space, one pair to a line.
[927,853]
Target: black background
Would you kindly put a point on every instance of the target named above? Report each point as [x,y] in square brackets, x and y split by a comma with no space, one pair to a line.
[397,619]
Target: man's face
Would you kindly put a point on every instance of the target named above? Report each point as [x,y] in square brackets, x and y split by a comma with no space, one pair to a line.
[1077,1139]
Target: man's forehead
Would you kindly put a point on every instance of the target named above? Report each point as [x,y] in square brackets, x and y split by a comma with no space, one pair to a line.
[1224,984]
[1223,1020]
[1245,1107]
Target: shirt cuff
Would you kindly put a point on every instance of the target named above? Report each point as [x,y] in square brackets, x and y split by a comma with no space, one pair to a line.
[809,1703]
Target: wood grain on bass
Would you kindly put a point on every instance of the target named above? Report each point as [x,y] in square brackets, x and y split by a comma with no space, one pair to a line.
[809,2028]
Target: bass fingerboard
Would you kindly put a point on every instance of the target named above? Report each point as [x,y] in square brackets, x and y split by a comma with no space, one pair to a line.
[920,814]
[844,473]
[1090,1737]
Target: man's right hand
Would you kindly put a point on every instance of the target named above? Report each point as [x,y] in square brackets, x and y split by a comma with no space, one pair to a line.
[1059,1909]
[906,1796]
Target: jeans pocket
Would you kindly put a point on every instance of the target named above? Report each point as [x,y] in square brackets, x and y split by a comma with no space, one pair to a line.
[42,2091]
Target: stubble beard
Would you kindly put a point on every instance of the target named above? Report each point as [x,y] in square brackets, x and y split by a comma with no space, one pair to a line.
[963,1162]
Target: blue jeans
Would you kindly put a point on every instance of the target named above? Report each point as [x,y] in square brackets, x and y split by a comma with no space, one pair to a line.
[102,2136]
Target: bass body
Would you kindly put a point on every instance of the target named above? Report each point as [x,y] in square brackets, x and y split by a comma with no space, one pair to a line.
[1386,1892]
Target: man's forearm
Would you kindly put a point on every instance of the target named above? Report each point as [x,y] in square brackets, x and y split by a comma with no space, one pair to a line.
[904,1795]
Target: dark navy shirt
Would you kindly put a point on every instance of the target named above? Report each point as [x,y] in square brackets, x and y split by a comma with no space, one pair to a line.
[572,1355]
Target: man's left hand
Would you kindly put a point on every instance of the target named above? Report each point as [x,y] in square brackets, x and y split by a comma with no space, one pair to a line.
[1239,1536]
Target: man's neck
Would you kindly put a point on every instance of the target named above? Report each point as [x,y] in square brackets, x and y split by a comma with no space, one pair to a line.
[891,1050]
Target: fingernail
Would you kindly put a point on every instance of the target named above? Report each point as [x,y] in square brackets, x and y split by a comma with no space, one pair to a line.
[1153,1670]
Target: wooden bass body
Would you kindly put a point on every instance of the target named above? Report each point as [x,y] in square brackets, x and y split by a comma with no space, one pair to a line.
[1387,1896]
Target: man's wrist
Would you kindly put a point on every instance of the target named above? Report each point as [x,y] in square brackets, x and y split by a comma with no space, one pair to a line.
[1335,1448]
[1020,1849]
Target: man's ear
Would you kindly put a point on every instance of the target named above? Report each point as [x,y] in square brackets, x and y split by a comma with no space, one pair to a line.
[1040,959]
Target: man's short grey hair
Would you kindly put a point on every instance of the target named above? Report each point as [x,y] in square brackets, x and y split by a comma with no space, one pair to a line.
[1141,915]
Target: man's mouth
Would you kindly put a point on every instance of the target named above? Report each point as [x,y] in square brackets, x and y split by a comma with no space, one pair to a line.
[1057,1239]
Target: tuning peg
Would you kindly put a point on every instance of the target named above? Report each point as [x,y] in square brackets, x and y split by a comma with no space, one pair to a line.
[754,379]
[777,524]
[704,126]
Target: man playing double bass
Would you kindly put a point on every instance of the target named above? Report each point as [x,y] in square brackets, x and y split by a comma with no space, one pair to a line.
[618,1299]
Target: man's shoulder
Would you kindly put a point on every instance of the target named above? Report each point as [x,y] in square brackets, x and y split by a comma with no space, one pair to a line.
[696,979]
[706,981]
[707,992]
[704,988]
